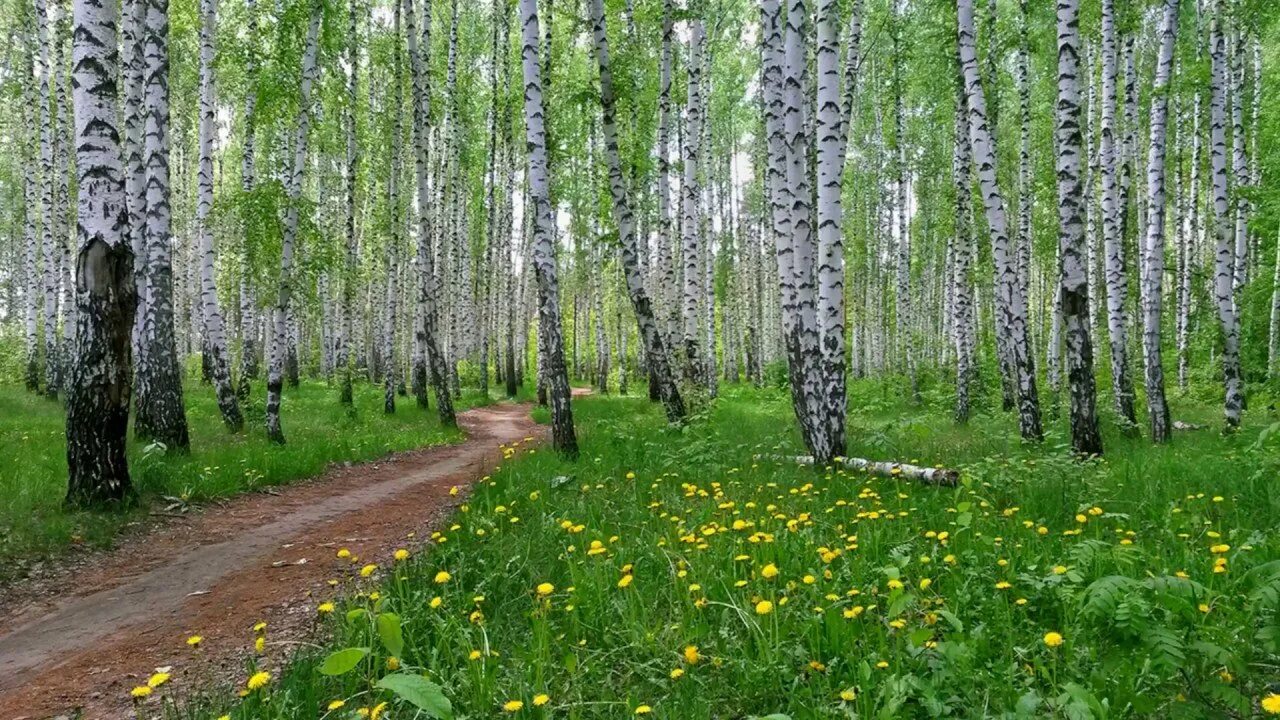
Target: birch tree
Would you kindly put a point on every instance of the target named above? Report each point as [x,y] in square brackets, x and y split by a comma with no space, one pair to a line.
[1073,276]
[1225,254]
[1153,277]
[1112,209]
[101,374]
[159,412]
[550,337]
[1011,307]
[215,341]
[280,342]
[656,354]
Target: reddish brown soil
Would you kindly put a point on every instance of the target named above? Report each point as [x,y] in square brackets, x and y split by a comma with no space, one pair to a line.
[82,638]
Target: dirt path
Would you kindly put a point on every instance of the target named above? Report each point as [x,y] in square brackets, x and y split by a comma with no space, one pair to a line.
[262,557]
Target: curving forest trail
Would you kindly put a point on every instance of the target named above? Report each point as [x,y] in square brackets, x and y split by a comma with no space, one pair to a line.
[266,557]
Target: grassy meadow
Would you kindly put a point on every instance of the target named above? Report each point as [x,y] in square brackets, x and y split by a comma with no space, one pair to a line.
[674,573]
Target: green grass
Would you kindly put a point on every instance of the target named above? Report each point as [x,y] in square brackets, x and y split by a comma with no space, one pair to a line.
[854,631]
[34,523]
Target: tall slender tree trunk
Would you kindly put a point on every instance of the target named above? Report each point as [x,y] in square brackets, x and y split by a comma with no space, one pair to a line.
[1010,303]
[690,190]
[1112,240]
[550,338]
[1225,263]
[433,362]
[281,345]
[830,215]
[1073,275]
[159,414]
[962,303]
[1153,278]
[656,354]
[48,276]
[346,333]
[101,375]
[248,178]
[215,344]
[393,376]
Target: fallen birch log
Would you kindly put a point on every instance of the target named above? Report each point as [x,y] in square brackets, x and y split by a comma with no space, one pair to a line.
[931,476]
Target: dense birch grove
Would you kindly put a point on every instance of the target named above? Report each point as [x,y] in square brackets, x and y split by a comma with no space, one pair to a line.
[1062,211]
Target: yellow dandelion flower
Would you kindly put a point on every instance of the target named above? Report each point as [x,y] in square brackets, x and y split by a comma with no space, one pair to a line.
[194,641]
[324,608]
[393,663]
[401,554]
[513,706]
[260,644]
[1052,639]
[677,673]
[691,654]
[442,577]
[624,581]
[541,699]
[157,679]
[335,705]
[1271,704]
[769,572]
[848,695]
[436,602]
[643,710]
[258,680]
[344,553]
[545,589]
[140,692]
[764,607]
[368,570]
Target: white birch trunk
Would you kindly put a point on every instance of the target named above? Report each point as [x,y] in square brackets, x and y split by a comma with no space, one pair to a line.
[1010,303]
[1225,262]
[99,384]
[215,339]
[544,260]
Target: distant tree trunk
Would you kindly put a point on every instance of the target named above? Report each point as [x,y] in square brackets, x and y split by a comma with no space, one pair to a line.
[1225,265]
[1153,278]
[49,277]
[544,259]
[1239,169]
[159,414]
[31,294]
[215,345]
[346,333]
[962,303]
[282,352]
[1113,241]
[99,385]
[248,178]
[1010,303]
[1273,344]
[393,375]
[1073,276]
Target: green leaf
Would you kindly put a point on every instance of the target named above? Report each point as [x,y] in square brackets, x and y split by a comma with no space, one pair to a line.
[420,692]
[389,632]
[354,615]
[343,661]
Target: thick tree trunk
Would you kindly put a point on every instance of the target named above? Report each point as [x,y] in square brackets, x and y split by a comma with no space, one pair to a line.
[1010,303]
[830,215]
[550,338]
[1153,277]
[159,414]
[101,374]
[1073,276]
[215,339]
